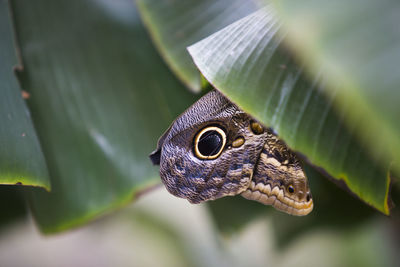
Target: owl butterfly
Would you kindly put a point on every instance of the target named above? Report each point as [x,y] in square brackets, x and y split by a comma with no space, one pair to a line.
[214,149]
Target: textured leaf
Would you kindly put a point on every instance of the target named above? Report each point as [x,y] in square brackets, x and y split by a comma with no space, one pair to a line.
[174,25]
[357,44]
[249,63]
[100,98]
[21,158]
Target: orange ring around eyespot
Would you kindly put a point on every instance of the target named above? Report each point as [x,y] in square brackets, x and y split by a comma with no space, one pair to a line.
[197,139]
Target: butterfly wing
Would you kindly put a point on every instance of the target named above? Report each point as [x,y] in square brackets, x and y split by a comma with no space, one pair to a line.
[279,179]
[214,149]
[199,179]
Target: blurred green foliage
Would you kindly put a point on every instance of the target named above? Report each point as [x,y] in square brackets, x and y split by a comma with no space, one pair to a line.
[97,113]
[99,96]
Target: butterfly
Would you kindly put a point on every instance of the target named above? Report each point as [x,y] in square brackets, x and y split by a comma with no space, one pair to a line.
[214,149]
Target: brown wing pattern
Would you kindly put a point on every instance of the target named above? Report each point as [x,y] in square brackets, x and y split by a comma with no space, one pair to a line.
[279,179]
[250,161]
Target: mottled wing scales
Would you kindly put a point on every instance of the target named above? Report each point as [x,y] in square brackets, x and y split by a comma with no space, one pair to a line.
[279,180]
[198,180]
[252,161]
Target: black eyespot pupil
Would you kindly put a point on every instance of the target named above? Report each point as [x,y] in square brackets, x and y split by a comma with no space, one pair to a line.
[308,197]
[291,189]
[210,143]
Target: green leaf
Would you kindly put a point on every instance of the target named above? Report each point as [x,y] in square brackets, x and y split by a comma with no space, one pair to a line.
[21,158]
[100,98]
[231,214]
[356,43]
[248,62]
[176,24]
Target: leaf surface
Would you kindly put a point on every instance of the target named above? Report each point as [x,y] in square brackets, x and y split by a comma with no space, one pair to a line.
[100,98]
[357,45]
[21,158]
[174,25]
[249,62]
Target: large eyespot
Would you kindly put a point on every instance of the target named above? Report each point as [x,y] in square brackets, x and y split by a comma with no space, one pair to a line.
[209,143]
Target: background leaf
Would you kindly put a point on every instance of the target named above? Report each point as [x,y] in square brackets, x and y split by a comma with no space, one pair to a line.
[21,158]
[174,25]
[249,63]
[356,44]
[232,214]
[97,112]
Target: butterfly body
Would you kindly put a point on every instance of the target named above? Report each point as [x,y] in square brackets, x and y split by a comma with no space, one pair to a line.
[214,149]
